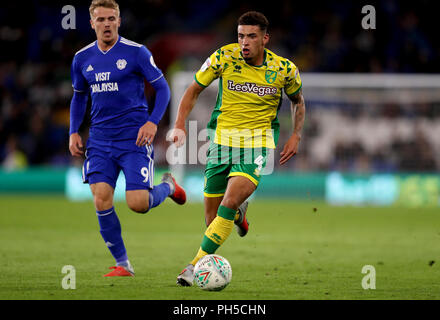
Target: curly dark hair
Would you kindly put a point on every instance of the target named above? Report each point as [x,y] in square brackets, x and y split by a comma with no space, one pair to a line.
[254,18]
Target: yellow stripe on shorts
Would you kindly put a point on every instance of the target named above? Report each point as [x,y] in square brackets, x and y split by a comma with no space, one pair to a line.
[213,195]
[233,174]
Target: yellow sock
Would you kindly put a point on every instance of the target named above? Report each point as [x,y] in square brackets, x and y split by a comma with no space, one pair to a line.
[217,232]
[200,254]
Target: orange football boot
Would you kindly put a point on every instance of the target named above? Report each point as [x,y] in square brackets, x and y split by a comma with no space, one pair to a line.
[119,271]
[178,194]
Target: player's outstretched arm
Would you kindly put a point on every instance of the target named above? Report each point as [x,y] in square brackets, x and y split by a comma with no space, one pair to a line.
[187,103]
[298,108]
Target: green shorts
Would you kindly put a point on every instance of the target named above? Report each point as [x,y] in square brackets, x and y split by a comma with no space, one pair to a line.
[224,162]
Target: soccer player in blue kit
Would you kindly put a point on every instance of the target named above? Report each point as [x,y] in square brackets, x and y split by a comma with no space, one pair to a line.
[112,69]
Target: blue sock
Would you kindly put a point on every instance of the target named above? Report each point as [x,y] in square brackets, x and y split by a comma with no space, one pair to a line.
[111,233]
[158,194]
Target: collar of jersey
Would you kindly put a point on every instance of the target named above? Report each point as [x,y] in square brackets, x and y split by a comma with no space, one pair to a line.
[119,38]
[264,60]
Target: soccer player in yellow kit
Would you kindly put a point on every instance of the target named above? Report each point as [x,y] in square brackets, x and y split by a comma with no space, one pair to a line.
[242,127]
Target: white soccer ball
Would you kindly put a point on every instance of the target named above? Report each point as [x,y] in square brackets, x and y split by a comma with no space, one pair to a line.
[212,272]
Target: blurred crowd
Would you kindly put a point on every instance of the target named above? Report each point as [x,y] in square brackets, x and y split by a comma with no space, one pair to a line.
[373,140]
[35,84]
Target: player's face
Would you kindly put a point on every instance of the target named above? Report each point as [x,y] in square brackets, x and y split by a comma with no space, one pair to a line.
[252,41]
[106,22]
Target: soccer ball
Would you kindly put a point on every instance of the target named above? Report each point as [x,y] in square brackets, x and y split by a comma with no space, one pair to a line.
[212,272]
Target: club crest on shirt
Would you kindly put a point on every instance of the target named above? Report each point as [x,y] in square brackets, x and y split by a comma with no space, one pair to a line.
[121,64]
[271,76]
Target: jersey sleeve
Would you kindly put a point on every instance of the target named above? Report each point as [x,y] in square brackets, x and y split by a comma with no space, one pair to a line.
[79,83]
[147,65]
[293,80]
[210,70]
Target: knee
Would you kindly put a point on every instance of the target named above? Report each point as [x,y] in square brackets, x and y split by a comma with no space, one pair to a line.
[138,200]
[230,203]
[102,195]
[103,202]
[138,206]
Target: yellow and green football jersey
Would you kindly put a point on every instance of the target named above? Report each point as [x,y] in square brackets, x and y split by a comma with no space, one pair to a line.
[249,97]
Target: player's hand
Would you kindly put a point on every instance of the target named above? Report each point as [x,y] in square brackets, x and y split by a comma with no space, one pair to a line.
[76,145]
[146,134]
[178,136]
[290,148]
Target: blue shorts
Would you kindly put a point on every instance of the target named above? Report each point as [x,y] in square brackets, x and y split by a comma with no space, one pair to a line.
[105,159]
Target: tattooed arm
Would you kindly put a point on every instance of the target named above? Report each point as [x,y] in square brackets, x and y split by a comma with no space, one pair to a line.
[298,109]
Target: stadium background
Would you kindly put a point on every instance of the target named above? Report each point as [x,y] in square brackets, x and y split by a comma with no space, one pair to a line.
[327,37]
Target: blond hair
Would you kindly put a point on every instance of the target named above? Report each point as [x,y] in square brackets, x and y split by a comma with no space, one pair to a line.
[103,3]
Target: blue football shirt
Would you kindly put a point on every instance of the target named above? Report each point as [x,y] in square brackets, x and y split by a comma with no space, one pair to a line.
[115,80]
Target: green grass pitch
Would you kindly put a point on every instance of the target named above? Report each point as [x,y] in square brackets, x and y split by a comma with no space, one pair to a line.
[291,252]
